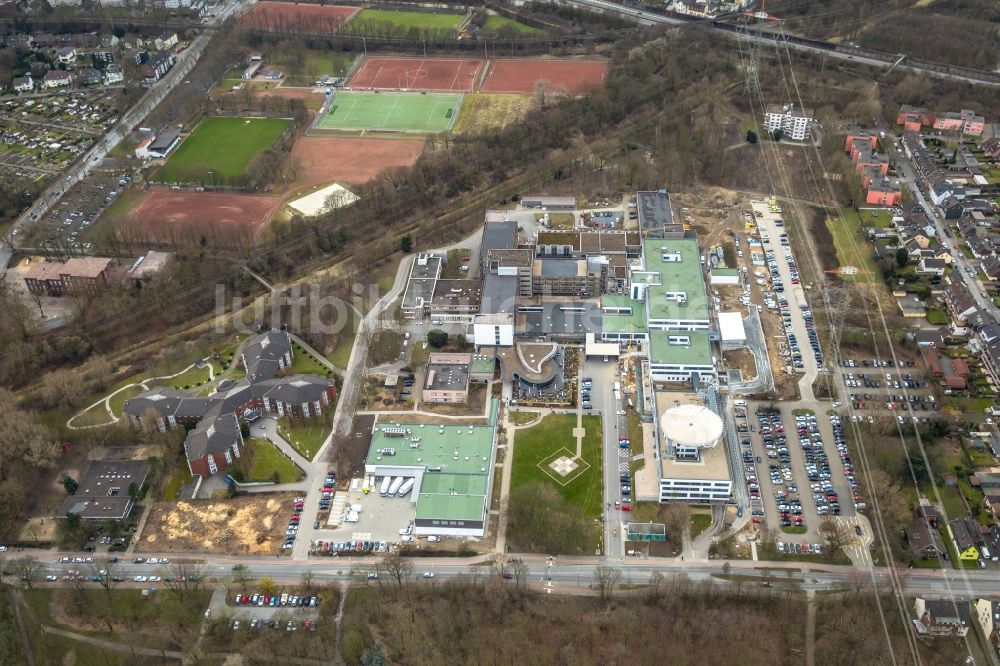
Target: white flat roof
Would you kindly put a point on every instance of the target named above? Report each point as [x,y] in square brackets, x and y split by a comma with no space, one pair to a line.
[594,348]
[731,327]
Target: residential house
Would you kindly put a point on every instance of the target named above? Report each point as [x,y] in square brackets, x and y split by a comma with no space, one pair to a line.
[101,57]
[89,77]
[991,268]
[56,79]
[930,512]
[23,84]
[67,55]
[166,40]
[929,337]
[991,147]
[931,266]
[113,74]
[924,540]
[967,537]
[952,208]
[941,617]
[960,303]
[156,66]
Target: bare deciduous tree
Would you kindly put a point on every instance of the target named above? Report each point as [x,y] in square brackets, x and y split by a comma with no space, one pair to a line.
[605,580]
[396,567]
[27,569]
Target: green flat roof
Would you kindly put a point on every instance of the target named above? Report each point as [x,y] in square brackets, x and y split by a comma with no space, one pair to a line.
[699,352]
[456,449]
[621,323]
[675,276]
[725,271]
[457,461]
[481,363]
[450,507]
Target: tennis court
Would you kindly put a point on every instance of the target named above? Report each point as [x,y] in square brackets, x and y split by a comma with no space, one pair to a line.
[392,112]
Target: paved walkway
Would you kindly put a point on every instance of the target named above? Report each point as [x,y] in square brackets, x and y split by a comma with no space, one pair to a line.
[144,385]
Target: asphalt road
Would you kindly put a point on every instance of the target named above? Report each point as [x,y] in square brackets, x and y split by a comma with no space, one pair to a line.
[568,573]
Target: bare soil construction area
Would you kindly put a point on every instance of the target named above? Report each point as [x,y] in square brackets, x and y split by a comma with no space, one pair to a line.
[250,525]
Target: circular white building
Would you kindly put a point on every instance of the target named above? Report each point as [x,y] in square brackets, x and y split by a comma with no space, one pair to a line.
[688,429]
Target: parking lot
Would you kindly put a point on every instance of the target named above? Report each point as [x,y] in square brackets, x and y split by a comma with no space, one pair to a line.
[789,296]
[797,466]
[366,518]
[79,208]
[875,386]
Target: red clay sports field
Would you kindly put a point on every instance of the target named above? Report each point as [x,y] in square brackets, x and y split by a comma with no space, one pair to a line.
[183,216]
[436,74]
[521,75]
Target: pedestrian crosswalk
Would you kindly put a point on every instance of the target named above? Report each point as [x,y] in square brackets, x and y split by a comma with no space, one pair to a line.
[623,467]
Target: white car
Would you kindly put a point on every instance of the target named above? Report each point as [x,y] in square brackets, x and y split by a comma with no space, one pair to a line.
[140,579]
[154,579]
[406,538]
[50,577]
[433,538]
[428,574]
[152,560]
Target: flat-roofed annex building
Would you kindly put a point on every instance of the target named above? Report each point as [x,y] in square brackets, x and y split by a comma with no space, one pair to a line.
[452,465]
[693,466]
[446,378]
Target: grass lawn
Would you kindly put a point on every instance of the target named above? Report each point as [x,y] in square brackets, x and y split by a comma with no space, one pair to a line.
[263,460]
[794,530]
[520,418]
[927,564]
[223,145]
[427,20]
[173,486]
[304,363]
[189,379]
[497,23]
[341,354]
[117,401]
[700,521]
[937,316]
[123,205]
[852,249]
[558,220]
[453,269]
[537,446]
[485,111]
[305,435]
[880,219]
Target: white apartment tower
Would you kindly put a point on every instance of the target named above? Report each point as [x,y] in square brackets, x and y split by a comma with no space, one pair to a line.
[795,123]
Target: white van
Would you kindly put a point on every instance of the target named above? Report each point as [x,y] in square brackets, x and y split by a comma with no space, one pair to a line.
[740,403]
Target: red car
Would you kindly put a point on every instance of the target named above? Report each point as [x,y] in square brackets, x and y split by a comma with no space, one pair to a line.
[626,507]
